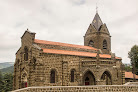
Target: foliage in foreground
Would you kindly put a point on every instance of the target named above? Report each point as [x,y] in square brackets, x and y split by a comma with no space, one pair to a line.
[6,82]
[133,55]
[128,67]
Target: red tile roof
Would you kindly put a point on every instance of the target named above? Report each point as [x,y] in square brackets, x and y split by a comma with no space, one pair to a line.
[118,58]
[130,75]
[88,54]
[63,44]
[77,53]
[105,56]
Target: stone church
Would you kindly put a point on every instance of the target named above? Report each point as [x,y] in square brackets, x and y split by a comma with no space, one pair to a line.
[48,63]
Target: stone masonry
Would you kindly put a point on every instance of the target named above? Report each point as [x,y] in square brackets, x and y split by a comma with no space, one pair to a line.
[98,88]
[47,63]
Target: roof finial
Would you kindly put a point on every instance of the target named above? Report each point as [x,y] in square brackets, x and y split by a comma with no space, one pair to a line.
[96,8]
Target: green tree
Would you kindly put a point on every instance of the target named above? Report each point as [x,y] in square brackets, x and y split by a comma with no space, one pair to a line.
[8,82]
[127,67]
[1,82]
[133,55]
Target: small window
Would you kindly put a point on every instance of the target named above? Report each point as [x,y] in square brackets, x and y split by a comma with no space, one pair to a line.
[91,43]
[117,74]
[104,44]
[18,61]
[26,54]
[72,75]
[52,77]
[34,62]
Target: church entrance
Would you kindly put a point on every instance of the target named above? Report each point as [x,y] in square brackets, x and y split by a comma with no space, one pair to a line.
[87,81]
[24,81]
[24,84]
[89,78]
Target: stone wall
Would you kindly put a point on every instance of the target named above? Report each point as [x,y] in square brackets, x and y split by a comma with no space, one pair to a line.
[36,70]
[98,36]
[130,80]
[131,83]
[101,88]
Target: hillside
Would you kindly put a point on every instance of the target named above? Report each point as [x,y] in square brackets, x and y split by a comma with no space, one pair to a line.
[6,64]
[7,70]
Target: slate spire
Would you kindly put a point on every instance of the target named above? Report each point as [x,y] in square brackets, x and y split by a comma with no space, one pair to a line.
[97,22]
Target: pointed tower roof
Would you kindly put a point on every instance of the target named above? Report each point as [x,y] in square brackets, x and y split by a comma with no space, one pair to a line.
[97,22]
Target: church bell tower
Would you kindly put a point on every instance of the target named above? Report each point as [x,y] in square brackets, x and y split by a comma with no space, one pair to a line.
[98,36]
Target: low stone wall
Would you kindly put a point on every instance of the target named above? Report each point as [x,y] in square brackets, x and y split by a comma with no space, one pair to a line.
[131,83]
[96,88]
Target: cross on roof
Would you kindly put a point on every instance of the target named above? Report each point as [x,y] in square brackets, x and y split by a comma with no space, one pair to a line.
[96,8]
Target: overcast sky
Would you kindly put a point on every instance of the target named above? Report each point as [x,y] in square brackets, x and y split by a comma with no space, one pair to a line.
[66,21]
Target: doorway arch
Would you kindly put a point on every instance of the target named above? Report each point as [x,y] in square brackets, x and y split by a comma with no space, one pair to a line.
[89,79]
[106,77]
[24,80]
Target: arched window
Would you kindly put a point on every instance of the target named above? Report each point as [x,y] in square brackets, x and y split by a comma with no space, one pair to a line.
[106,77]
[103,76]
[18,61]
[91,43]
[72,75]
[104,44]
[26,54]
[52,76]
[34,62]
[117,74]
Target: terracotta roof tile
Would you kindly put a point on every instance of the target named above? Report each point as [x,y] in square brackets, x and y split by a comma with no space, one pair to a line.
[130,75]
[88,54]
[105,56]
[77,53]
[63,44]
[69,52]
[118,58]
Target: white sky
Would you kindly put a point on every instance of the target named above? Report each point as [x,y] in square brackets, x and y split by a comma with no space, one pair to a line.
[66,21]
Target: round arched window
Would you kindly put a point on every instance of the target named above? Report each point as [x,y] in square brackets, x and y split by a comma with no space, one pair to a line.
[91,43]
[72,75]
[52,76]
[26,53]
[104,44]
